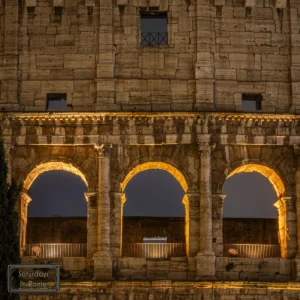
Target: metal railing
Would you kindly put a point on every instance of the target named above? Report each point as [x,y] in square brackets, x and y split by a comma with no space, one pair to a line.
[253,250]
[155,250]
[154,38]
[57,250]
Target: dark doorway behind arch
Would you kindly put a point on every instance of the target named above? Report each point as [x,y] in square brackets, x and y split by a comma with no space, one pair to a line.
[57,193]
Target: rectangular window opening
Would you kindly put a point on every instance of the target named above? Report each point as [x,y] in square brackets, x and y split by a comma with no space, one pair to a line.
[154,27]
[57,102]
[251,102]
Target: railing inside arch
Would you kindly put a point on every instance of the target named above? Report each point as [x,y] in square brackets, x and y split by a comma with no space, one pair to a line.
[156,250]
[154,38]
[56,250]
[253,250]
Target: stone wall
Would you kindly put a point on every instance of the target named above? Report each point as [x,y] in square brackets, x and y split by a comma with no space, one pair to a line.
[91,50]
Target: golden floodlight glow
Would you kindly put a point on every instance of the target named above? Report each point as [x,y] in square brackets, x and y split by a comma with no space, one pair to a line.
[155,165]
[51,166]
[270,174]
[173,171]
[278,186]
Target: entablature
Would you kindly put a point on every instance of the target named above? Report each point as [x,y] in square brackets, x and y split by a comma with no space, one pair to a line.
[151,128]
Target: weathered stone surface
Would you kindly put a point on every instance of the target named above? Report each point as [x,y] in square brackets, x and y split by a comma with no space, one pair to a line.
[216,52]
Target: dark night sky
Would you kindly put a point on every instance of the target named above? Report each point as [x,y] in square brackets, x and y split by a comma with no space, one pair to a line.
[150,193]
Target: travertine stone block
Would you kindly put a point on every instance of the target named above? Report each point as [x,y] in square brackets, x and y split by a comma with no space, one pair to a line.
[89,2]
[58,3]
[250,3]
[154,3]
[281,3]
[220,2]
[30,3]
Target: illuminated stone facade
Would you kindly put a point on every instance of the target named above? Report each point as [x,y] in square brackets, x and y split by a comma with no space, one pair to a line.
[177,107]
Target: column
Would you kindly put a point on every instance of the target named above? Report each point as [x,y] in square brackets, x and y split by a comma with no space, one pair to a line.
[217,217]
[205,257]
[103,258]
[204,65]
[92,224]
[23,208]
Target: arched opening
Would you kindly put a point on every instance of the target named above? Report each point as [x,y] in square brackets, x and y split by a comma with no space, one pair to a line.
[54,212]
[254,213]
[155,212]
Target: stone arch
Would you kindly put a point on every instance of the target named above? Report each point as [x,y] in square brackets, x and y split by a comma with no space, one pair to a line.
[155,165]
[280,189]
[174,172]
[28,181]
[51,166]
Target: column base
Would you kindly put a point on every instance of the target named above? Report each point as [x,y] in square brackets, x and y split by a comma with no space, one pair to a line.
[102,266]
[206,266]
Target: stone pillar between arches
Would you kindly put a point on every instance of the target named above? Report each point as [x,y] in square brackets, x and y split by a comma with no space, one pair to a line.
[103,257]
[206,258]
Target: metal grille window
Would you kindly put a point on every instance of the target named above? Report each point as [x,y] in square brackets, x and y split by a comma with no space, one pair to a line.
[56,102]
[154,28]
[251,102]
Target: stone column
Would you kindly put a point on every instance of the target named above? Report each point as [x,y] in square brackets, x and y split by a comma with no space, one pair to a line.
[103,258]
[23,208]
[92,224]
[205,257]
[217,217]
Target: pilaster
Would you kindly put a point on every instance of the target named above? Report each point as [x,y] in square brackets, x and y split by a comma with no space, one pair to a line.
[106,56]
[103,258]
[204,66]
[9,69]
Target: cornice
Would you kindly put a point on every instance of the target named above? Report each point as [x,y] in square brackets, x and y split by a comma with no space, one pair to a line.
[106,116]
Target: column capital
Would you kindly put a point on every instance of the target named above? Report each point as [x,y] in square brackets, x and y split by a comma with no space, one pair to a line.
[104,150]
[90,196]
[25,198]
[206,148]
[281,202]
[220,197]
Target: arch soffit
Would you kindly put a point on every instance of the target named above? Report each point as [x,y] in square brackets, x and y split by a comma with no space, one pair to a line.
[155,165]
[52,166]
[269,173]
